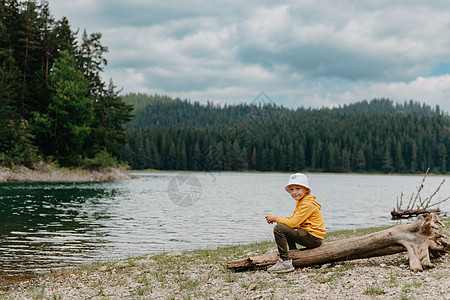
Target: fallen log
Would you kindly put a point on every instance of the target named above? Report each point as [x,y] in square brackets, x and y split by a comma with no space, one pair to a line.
[419,238]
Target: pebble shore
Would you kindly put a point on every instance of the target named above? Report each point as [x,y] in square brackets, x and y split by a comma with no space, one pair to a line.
[189,276]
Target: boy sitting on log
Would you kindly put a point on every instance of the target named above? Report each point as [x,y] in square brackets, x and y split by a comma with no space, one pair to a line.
[305,227]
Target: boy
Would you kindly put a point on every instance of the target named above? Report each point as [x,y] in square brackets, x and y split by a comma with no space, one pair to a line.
[305,227]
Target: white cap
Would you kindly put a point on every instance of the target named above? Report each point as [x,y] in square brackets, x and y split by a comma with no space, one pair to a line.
[297,179]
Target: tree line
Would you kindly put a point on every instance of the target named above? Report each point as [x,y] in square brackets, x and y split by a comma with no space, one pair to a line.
[375,136]
[54,104]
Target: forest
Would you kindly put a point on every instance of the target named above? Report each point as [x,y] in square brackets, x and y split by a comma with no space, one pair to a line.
[54,104]
[375,136]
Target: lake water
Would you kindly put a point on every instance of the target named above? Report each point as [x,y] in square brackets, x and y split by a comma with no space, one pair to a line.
[52,225]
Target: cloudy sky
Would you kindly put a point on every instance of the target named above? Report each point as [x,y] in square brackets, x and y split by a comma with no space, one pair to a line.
[299,53]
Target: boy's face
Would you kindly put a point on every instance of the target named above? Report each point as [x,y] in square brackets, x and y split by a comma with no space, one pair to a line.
[297,191]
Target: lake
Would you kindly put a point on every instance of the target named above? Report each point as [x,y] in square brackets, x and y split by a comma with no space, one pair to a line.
[53,225]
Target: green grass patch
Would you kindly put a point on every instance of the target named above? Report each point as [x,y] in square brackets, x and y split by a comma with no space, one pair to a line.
[299,291]
[409,287]
[393,279]
[374,290]
[327,278]
[37,292]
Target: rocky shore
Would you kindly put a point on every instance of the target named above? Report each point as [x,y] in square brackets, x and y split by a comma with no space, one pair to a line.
[202,274]
[186,276]
[48,173]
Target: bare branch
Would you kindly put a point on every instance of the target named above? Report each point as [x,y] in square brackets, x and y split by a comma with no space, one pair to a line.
[438,202]
[421,203]
[401,199]
[410,200]
[435,192]
[416,204]
[419,189]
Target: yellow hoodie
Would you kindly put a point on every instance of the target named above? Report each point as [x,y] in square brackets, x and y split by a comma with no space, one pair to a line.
[307,215]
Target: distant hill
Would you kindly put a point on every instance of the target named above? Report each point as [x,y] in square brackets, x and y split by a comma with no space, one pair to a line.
[151,110]
[375,136]
[386,106]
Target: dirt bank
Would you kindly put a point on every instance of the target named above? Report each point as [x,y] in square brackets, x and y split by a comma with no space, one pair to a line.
[47,173]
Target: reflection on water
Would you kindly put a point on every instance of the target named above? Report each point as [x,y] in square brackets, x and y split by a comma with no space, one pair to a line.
[49,225]
[55,225]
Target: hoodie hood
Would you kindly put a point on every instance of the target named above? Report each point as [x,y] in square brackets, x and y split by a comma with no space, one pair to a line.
[311,199]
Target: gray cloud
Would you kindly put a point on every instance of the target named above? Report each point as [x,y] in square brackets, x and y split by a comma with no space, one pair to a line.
[302,52]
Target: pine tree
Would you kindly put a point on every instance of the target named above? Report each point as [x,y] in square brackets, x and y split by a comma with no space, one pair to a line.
[301,158]
[345,160]
[171,156]
[387,162]
[442,152]
[399,161]
[91,61]
[110,112]
[360,160]
[196,157]
[70,112]
[9,94]
[182,156]
[333,158]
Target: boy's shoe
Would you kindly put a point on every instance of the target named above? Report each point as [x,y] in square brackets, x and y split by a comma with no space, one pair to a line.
[282,266]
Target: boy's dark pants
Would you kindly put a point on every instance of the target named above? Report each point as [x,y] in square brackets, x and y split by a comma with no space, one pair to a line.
[286,236]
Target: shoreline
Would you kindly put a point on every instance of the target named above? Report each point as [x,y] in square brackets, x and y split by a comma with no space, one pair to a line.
[47,173]
[43,172]
[202,274]
[287,172]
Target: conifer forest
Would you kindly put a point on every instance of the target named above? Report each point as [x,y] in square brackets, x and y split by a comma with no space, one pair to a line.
[375,136]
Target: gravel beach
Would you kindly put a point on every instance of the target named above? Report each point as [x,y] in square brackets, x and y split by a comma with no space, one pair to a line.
[203,274]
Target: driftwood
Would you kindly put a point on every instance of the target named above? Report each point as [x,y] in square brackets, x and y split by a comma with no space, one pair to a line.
[419,238]
[411,213]
[416,205]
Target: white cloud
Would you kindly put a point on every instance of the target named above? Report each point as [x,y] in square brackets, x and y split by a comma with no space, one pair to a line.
[432,90]
[311,53]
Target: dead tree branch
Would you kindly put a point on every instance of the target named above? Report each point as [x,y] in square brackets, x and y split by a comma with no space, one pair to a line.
[423,206]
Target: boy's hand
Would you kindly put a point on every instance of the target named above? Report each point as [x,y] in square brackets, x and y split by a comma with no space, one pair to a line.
[271,219]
